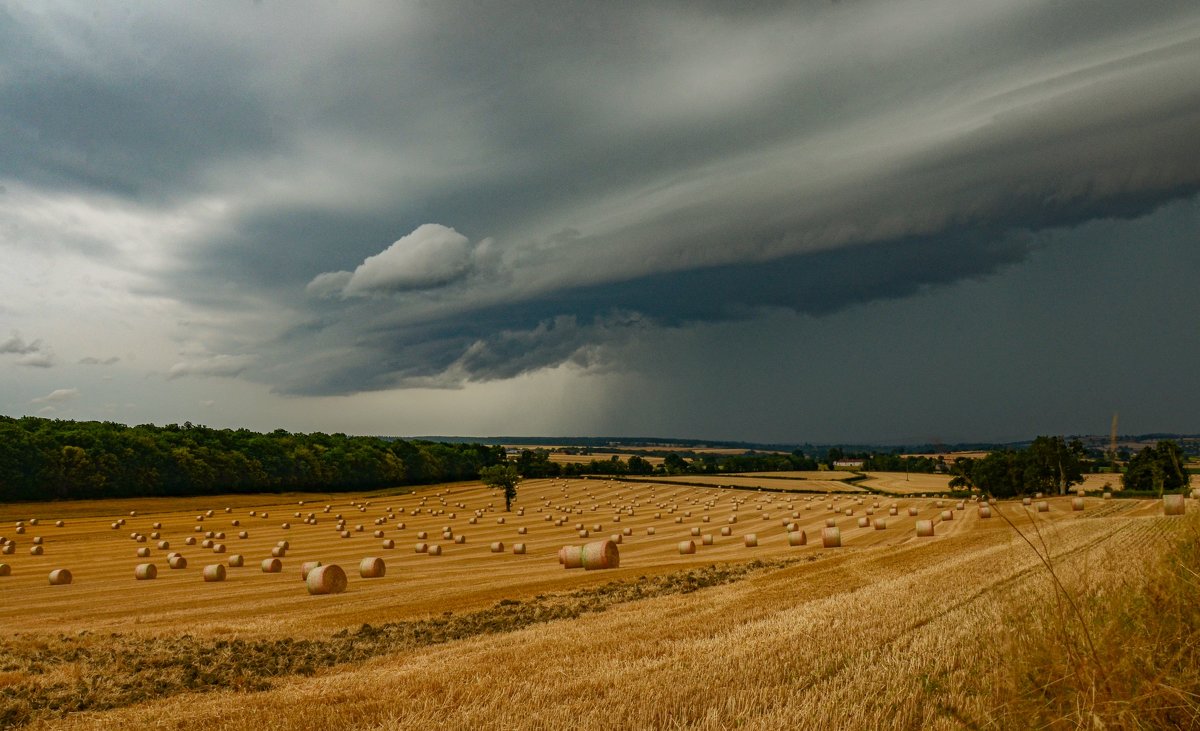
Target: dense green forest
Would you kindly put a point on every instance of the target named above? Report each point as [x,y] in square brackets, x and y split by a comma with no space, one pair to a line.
[50,459]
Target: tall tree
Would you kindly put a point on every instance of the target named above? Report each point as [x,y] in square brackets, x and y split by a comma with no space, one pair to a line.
[502,476]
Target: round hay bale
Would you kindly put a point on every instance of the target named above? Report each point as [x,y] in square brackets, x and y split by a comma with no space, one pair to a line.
[214,572]
[864,522]
[750,539]
[460,539]
[236,560]
[880,524]
[893,510]
[1043,506]
[389,544]
[5,569]
[279,552]
[143,552]
[1108,495]
[912,512]
[371,567]
[37,540]
[519,549]
[272,566]
[145,572]
[421,548]
[947,515]
[985,511]
[177,562]
[33,521]
[36,550]
[650,531]
[732,519]
[60,577]
[831,537]
[190,540]
[422,535]
[830,523]
[1076,503]
[726,530]
[924,528]
[435,550]
[1174,504]
[695,531]
[218,548]
[797,538]
[59,524]
[687,547]
[328,579]
[627,531]
[306,567]
[285,526]
[707,539]
[572,557]
[600,555]
[497,547]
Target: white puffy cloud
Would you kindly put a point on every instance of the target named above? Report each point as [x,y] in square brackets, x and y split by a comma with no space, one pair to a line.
[433,255]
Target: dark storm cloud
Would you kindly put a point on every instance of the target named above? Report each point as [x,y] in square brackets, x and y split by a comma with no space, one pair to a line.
[605,167]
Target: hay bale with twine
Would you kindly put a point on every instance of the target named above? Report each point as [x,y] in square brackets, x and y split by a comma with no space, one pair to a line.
[571,557]
[1174,504]
[600,555]
[328,579]
[831,537]
[371,567]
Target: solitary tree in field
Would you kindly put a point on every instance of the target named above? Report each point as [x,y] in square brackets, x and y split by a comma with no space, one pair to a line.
[502,476]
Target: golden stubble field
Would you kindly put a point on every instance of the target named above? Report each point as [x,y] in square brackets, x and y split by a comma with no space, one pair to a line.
[888,631]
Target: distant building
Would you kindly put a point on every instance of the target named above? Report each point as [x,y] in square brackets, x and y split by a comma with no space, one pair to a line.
[848,464]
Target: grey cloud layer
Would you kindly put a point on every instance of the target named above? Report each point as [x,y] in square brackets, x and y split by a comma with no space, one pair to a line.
[594,169]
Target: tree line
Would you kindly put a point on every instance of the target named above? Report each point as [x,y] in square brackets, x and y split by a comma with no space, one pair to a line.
[51,459]
[1052,465]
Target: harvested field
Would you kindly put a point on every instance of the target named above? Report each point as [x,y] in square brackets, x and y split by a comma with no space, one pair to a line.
[753,481]
[901,629]
[559,458]
[802,475]
[905,483]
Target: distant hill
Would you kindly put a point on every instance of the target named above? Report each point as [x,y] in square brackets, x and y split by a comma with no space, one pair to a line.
[1189,442]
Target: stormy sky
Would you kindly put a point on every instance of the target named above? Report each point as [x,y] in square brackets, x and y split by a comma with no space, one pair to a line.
[893,220]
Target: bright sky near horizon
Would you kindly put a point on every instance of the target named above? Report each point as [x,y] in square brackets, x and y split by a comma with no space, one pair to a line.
[861,220]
